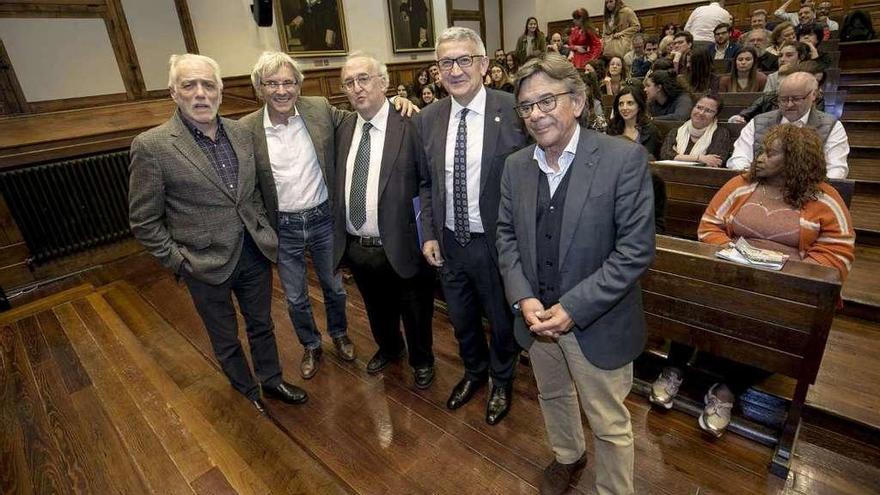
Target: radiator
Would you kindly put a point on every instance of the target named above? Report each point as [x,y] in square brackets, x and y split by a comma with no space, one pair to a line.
[67,207]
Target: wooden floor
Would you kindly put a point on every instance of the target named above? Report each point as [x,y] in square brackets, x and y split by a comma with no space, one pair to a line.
[111,387]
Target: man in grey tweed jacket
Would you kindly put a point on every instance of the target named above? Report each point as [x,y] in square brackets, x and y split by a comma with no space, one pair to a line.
[194,205]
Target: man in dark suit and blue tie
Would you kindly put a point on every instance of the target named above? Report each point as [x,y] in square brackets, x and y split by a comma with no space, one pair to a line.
[465,139]
[575,234]
[377,177]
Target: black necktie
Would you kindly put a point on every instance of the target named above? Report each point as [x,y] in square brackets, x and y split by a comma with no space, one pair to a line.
[357,208]
[459,183]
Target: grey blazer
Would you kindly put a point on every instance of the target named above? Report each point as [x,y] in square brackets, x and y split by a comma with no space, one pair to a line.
[502,135]
[398,185]
[321,120]
[179,209]
[606,244]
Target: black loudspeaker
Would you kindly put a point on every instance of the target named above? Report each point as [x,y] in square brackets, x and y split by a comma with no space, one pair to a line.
[262,10]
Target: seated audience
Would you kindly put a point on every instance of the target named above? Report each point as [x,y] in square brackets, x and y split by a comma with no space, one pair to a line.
[630,119]
[510,63]
[797,94]
[759,20]
[621,24]
[822,12]
[811,35]
[617,76]
[436,81]
[402,91]
[593,115]
[783,203]
[744,77]
[723,48]
[759,39]
[594,92]
[804,15]
[661,64]
[700,139]
[500,56]
[557,45]
[638,60]
[499,79]
[857,27]
[735,32]
[792,53]
[698,77]
[583,40]
[782,34]
[667,100]
[531,43]
[702,21]
[597,67]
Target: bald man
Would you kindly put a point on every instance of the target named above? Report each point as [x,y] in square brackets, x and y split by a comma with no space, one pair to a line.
[797,98]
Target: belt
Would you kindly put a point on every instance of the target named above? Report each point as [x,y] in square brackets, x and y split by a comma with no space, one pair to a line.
[367,241]
[307,211]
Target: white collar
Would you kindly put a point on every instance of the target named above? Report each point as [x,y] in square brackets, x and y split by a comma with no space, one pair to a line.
[802,120]
[570,149]
[477,105]
[380,120]
[267,122]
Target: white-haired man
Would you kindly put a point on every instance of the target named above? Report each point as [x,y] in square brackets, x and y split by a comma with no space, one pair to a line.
[194,205]
[465,139]
[377,176]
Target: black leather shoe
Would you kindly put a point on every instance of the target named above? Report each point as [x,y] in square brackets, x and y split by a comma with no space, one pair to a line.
[462,392]
[286,392]
[424,377]
[344,347]
[499,404]
[557,477]
[259,405]
[379,361]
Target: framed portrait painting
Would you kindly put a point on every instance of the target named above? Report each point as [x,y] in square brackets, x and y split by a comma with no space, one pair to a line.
[412,25]
[311,28]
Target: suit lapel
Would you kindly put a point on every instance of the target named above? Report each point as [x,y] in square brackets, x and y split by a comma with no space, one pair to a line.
[529,212]
[394,130]
[582,172]
[186,145]
[310,118]
[491,130]
[438,151]
[239,137]
[346,133]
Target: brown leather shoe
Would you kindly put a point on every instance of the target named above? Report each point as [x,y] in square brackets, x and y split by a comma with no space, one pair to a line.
[344,347]
[309,365]
[557,476]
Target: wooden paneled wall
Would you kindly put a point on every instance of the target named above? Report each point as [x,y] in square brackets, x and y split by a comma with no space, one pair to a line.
[654,19]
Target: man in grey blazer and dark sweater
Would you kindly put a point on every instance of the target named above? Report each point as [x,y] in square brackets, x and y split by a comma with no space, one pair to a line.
[194,205]
[465,139]
[575,234]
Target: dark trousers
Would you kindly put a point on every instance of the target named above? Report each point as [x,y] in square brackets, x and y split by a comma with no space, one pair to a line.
[390,298]
[472,287]
[251,282]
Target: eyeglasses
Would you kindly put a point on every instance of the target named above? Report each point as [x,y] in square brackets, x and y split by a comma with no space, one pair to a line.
[794,99]
[546,104]
[706,110]
[275,85]
[361,79]
[463,62]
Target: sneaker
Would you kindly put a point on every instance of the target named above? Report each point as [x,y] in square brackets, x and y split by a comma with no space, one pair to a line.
[716,413]
[665,387]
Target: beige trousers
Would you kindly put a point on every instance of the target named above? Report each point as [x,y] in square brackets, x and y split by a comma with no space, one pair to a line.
[563,373]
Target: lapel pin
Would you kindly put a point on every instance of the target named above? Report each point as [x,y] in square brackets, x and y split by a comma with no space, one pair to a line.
[497,119]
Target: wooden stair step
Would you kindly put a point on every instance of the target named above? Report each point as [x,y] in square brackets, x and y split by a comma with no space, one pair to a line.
[864,169]
[45,303]
[861,285]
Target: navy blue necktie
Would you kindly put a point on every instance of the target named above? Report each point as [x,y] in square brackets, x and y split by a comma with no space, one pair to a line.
[459,183]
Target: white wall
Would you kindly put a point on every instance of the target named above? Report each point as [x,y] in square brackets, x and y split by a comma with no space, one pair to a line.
[156,33]
[61,58]
[493,28]
[515,14]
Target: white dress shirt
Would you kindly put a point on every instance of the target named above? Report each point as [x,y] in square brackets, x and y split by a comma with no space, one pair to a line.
[370,228]
[836,148]
[703,20]
[475,123]
[554,178]
[295,168]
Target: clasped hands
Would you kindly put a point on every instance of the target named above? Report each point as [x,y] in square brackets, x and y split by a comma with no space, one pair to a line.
[551,323]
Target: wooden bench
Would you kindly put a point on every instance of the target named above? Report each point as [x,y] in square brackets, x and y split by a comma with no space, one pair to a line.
[690,188]
[774,320]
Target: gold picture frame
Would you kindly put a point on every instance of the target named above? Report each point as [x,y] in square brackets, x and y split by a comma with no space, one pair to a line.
[311,28]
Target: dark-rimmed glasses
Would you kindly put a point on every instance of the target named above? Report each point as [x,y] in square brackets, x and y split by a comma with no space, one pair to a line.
[546,104]
[463,62]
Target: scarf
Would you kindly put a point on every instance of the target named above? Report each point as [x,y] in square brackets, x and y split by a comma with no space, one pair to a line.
[687,130]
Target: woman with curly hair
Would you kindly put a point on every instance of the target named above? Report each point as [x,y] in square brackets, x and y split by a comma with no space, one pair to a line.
[782,203]
[621,24]
[531,43]
[744,76]
[583,40]
[667,100]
